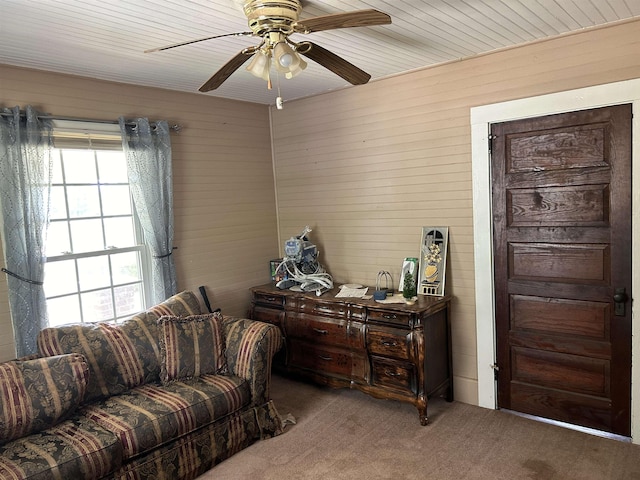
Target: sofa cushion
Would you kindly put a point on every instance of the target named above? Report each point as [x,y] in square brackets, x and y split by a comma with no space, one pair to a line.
[151,415]
[191,346]
[181,304]
[74,449]
[113,360]
[120,357]
[37,394]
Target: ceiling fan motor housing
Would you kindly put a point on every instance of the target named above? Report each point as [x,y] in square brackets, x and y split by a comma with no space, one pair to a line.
[267,16]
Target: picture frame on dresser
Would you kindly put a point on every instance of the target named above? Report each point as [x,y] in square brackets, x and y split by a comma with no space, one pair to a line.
[433,260]
[409,265]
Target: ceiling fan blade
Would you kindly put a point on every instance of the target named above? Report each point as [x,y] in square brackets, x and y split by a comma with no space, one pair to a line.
[336,64]
[358,18]
[225,72]
[238,34]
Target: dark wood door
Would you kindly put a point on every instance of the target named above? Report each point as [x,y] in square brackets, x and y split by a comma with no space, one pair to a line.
[562,244]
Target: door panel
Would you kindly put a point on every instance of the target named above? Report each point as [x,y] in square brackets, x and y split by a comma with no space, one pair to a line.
[575,263]
[583,205]
[562,244]
[560,316]
[577,373]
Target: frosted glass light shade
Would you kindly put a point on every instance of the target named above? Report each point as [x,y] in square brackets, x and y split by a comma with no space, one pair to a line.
[260,65]
[295,71]
[287,60]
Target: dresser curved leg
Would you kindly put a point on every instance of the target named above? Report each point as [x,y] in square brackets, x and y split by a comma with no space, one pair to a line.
[422,411]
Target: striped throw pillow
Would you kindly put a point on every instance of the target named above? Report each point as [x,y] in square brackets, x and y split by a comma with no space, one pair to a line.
[39,393]
[191,346]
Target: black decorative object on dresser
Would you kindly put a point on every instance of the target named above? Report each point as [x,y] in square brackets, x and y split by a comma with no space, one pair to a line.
[388,350]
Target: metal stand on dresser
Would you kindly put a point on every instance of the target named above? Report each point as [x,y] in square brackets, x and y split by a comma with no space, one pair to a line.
[392,351]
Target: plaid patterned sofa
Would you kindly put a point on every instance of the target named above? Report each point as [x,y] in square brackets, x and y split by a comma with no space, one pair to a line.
[118,402]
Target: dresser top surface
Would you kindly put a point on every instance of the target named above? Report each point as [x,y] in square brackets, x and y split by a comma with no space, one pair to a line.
[424,302]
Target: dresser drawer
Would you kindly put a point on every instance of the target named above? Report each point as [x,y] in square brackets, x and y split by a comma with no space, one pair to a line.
[271,299]
[321,359]
[311,306]
[389,342]
[318,330]
[357,312]
[405,319]
[393,374]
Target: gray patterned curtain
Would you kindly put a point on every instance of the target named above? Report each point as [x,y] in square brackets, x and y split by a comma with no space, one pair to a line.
[25,185]
[148,152]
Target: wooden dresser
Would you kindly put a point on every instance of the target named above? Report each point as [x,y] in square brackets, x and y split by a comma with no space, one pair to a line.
[393,351]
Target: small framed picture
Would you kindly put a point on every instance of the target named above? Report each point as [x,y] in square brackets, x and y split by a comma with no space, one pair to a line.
[433,260]
[277,271]
[410,264]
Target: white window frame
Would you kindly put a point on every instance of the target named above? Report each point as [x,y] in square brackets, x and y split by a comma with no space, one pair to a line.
[68,133]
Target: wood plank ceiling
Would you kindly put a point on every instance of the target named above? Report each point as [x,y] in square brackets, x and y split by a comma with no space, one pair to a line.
[106,39]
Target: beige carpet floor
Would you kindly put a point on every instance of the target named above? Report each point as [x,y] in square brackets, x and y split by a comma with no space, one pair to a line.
[345,434]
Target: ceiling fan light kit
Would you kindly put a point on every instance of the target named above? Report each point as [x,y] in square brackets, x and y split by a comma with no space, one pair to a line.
[276,49]
[273,21]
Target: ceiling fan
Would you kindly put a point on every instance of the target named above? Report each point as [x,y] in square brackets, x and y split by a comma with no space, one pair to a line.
[274,21]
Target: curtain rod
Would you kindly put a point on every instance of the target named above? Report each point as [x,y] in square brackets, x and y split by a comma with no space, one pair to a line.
[175,127]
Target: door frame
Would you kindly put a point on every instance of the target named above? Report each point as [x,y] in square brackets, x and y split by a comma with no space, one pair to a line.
[481,119]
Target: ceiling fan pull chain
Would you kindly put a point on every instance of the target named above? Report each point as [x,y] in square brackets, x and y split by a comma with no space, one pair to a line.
[279,104]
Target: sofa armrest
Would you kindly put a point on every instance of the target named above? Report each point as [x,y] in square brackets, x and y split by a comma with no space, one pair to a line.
[250,347]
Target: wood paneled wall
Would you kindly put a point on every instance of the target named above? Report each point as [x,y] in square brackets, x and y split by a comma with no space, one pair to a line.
[367,167]
[225,217]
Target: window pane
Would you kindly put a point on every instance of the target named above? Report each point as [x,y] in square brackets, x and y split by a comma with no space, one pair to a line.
[58,238]
[83,201]
[86,235]
[97,306]
[79,166]
[112,167]
[94,272]
[58,206]
[60,278]
[119,232]
[128,299]
[116,200]
[63,310]
[125,267]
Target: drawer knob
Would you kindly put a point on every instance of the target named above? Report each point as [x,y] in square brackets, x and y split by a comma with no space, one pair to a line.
[320,332]
[389,316]
[389,343]
[326,359]
[391,373]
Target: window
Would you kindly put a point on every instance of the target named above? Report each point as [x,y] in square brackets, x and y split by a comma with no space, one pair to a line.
[96,261]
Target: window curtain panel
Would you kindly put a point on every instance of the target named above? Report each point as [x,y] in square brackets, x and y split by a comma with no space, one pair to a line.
[26,144]
[148,151]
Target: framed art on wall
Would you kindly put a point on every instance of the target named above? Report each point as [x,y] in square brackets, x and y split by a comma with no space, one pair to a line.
[433,260]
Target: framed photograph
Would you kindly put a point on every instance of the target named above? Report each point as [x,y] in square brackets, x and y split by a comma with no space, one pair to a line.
[277,274]
[433,260]
[410,265]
